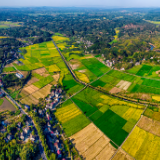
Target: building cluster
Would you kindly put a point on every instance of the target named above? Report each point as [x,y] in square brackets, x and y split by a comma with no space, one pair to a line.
[54,98]
[110,63]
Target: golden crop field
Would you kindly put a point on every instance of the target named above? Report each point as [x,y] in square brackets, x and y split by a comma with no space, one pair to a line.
[68,112]
[142,145]
[91,143]
[82,77]
[53,68]
[60,38]
[157,98]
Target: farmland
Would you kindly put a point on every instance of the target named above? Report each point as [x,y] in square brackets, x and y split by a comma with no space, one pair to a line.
[86,67]
[111,116]
[47,69]
[5,104]
[71,118]
[5,24]
[91,143]
[142,145]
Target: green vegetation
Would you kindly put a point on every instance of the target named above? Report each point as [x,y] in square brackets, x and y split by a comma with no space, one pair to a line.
[144,70]
[1,101]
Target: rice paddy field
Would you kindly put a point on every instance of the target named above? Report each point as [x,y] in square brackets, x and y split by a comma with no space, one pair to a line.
[47,69]
[110,115]
[142,145]
[71,118]
[86,67]
[6,24]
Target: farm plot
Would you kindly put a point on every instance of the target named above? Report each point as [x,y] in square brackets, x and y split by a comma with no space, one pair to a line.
[29,100]
[95,66]
[6,105]
[71,118]
[31,89]
[110,115]
[144,70]
[123,85]
[121,155]
[91,143]
[151,83]
[154,72]
[142,145]
[149,125]
[134,69]
[42,93]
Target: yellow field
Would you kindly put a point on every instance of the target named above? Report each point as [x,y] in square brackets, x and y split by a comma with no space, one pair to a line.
[53,68]
[157,98]
[3,37]
[82,77]
[60,38]
[91,143]
[42,93]
[142,145]
[68,112]
[111,101]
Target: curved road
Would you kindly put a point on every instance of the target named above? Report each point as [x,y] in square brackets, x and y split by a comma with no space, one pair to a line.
[100,90]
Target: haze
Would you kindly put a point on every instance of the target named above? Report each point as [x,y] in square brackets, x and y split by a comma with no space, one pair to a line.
[81,3]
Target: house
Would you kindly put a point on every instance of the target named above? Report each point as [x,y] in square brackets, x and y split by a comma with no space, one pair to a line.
[48,100]
[48,105]
[56,146]
[20,76]
[137,63]
[26,130]
[52,93]
[19,124]
[28,123]
[151,58]
[122,69]
[48,124]
[22,136]
[32,138]
[27,107]
[40,112]
[9,137]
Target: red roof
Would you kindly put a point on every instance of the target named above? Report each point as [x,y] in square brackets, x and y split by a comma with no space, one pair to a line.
[52,132]
[58,152]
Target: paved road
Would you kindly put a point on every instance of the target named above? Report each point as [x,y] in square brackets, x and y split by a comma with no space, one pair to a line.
[43,155]
[98,89]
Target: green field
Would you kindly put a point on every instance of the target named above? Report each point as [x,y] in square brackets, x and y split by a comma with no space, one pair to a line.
[71,118]
[110,115]
[144,70]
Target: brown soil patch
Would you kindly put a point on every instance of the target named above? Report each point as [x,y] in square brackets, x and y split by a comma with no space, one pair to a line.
[30,89]
[32,80]
[56,77]
[157,72]
[6,105]
[40,70]
[121,155]
[23,93]
[74,66]
[115,90]
[150,125]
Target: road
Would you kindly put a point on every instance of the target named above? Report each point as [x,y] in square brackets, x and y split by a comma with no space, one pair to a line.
[43,155]
[98,89]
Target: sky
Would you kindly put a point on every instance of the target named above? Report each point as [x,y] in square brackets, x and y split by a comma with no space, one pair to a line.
[81,3]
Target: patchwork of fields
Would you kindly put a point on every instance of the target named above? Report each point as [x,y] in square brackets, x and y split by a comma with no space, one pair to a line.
[86,67]
[110,115]
[71,118]
[47,69]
